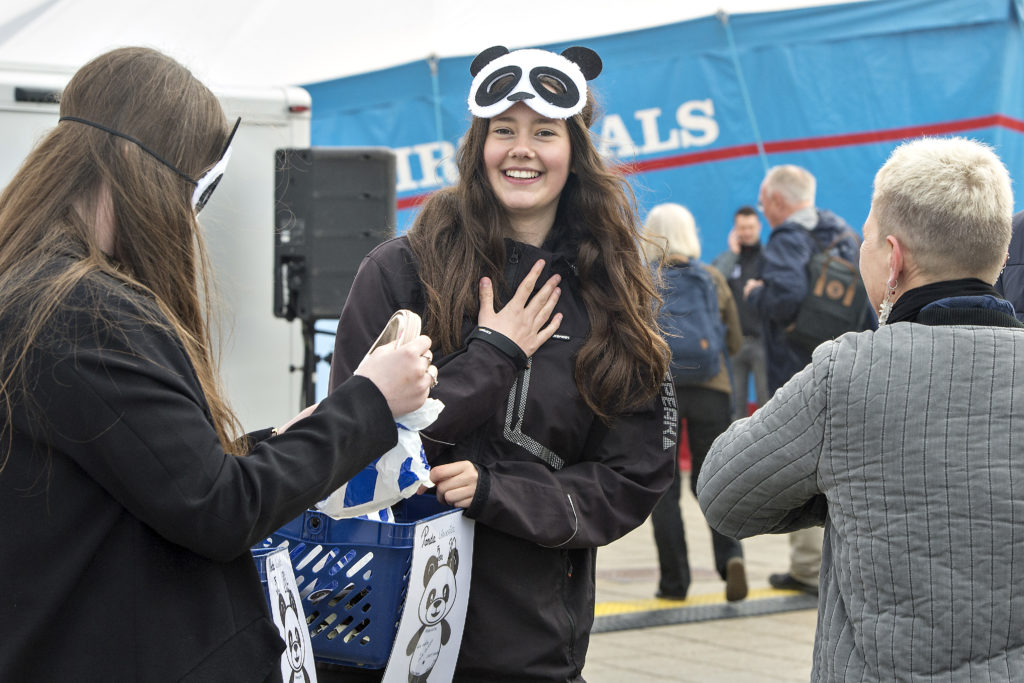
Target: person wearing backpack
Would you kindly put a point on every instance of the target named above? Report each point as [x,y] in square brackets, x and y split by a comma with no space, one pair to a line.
[799,231]
[702,328]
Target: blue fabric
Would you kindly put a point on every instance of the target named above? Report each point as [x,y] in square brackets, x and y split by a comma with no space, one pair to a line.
[987,302]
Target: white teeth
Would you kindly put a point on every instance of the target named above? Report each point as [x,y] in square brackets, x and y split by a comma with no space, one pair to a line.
[522,175]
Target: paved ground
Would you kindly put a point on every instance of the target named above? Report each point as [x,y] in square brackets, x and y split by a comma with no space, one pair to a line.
[772,647]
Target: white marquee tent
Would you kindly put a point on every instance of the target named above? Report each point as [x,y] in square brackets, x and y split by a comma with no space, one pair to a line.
[272,42]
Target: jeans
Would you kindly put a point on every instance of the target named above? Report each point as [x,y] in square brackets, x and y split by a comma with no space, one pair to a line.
[707,415]
[749,360]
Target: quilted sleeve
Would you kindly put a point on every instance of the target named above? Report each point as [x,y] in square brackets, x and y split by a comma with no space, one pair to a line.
[761,474]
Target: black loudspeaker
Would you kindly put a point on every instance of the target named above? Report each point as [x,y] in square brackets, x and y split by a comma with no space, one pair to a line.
[332,206]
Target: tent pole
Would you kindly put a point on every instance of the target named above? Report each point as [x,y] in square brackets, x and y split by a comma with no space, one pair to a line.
[435,80]
[723,17]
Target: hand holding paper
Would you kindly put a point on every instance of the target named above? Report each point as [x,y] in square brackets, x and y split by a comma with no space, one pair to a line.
[398,473]
[399,363]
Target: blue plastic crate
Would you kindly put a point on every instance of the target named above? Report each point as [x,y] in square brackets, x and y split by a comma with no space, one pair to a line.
[352,576]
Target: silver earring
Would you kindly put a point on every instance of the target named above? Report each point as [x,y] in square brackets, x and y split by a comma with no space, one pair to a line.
[886,306]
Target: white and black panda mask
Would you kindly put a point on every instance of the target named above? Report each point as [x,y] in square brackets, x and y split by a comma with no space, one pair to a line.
[553,85]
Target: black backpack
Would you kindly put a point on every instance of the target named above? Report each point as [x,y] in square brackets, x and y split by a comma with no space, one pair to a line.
[693,325]
[836,299]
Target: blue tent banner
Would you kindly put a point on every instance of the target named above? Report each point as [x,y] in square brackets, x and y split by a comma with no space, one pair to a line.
[695,112]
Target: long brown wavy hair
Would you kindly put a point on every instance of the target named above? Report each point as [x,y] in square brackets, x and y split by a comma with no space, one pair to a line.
[47,214]
[461,229]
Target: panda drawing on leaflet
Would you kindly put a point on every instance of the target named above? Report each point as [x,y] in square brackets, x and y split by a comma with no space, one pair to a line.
[437,601]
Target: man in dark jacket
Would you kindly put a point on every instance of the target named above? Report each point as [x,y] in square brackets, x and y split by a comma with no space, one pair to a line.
[787,202]
[1011,281]
[739,263]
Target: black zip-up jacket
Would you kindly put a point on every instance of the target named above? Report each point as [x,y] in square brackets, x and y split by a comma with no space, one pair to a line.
[554,483]
[737,269]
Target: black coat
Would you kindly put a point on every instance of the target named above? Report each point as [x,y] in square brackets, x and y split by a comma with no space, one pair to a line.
[1011,281]
[554,483]
[126,528]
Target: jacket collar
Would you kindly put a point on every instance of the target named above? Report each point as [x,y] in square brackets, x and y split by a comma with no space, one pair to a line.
[986,309]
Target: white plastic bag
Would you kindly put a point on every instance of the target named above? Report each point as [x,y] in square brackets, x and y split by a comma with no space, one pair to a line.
[401,471]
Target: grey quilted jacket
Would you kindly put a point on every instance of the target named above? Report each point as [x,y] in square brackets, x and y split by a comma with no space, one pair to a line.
[908,444]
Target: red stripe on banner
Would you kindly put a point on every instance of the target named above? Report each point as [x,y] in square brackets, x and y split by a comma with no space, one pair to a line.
[413,201]
[798,145]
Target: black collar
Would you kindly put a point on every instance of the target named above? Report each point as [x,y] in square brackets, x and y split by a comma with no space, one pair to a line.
[912,301]
[913,305]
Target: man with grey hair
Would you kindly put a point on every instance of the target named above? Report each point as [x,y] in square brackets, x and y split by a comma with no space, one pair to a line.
[904,441]
[799,230]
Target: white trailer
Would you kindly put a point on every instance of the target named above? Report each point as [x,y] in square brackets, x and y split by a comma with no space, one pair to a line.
[258,349]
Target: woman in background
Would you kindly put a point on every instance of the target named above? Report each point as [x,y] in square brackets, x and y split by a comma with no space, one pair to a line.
[704,401]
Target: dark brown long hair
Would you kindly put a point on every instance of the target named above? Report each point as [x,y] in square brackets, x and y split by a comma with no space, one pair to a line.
[461,229]
[48,210]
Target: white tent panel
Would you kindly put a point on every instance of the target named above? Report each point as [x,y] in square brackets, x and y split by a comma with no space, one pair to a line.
[271,42]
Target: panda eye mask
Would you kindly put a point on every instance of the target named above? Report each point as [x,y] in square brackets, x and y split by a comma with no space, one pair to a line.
[553,85]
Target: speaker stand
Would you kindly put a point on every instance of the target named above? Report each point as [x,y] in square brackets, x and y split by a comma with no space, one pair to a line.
[309,362]
[310,359]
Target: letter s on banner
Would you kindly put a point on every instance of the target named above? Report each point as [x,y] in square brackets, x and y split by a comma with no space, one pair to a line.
[696,118]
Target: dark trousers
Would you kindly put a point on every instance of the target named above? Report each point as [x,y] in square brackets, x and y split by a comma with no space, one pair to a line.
[748,361]
[707,414]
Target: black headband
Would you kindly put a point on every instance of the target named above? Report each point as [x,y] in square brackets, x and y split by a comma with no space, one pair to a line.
[129,138]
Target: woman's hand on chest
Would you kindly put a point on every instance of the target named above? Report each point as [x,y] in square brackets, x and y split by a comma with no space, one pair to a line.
[526,320]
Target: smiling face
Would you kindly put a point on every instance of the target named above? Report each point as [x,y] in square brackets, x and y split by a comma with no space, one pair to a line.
[527,158]
[438,596]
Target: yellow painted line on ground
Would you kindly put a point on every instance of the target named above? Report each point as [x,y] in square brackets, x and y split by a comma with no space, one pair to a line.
[606,609]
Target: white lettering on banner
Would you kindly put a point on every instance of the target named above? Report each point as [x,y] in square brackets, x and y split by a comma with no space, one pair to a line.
[403,167]
[436,166]
[649,126]
[435,156]
[430,165]
[697,128]
[697,115]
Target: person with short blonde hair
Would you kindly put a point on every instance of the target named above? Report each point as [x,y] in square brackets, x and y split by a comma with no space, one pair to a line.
[904,441]
[935,193]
